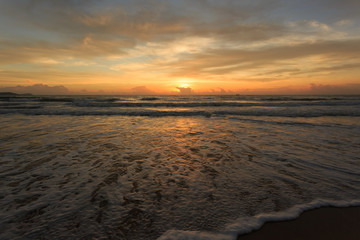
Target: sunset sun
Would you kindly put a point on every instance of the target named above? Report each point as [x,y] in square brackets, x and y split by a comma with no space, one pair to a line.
[184,85]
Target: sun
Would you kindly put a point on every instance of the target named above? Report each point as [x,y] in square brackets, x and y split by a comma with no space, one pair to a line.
[183,83]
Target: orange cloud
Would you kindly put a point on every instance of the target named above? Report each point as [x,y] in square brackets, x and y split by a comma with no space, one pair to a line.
[38,89]
[119,46]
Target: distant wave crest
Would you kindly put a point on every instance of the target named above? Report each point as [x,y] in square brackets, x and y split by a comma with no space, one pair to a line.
[282,106]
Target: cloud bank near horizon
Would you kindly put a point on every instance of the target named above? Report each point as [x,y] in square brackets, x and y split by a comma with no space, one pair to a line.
[311,89]
[37,89]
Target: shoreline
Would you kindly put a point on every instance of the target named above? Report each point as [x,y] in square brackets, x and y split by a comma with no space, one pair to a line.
[320,223]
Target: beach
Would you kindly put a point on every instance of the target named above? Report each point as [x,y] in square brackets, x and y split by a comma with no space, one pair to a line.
[172,167]
[322,223]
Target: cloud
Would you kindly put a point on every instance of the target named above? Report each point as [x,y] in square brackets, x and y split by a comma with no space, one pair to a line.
[81,29]
[36,52]
[332,68]
[142,90]
[185,90]
[346,8]
[225,60]
[88,29]
[241,32]
[311,89]
[37,89]
[230,40]
[310,27]
[334,89]
[127,19]
[344,22]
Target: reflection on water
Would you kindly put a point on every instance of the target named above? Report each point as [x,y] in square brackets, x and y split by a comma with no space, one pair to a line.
[137,177]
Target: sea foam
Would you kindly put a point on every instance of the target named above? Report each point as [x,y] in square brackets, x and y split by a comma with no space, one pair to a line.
[205,172]
[245,225]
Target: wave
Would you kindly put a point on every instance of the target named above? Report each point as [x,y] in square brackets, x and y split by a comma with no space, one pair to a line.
[258,98]
[183,106]
[305,98]
[83,103]
[149,98]
[245,225]
[36,110]
[55,99]
[63,99]
[300,99]
[14,107]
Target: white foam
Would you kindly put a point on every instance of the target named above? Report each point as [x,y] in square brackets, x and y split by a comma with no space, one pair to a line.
[245,225]
[188,173]
[194,235]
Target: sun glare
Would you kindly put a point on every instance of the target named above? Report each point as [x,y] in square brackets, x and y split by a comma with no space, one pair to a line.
[183,83]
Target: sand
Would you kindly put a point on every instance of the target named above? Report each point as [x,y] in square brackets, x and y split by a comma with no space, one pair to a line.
[323,223]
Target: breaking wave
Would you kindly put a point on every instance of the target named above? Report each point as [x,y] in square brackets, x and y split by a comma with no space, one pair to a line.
[207,106]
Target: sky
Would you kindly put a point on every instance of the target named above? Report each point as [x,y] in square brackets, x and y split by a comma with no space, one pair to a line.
[180,46]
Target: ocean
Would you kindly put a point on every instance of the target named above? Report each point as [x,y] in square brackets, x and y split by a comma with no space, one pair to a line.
[172,167]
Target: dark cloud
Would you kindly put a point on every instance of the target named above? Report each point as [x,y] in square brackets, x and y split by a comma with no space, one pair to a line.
[83,29]
[140,20]
[343,8]
[234,10]
[328,89]
[127,19]
[142,90]
[90,29]
[40,76]
[37,89]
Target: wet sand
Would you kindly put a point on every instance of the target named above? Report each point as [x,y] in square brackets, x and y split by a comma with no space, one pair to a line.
[323,223]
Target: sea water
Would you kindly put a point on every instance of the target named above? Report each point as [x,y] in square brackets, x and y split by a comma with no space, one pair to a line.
[172,167]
